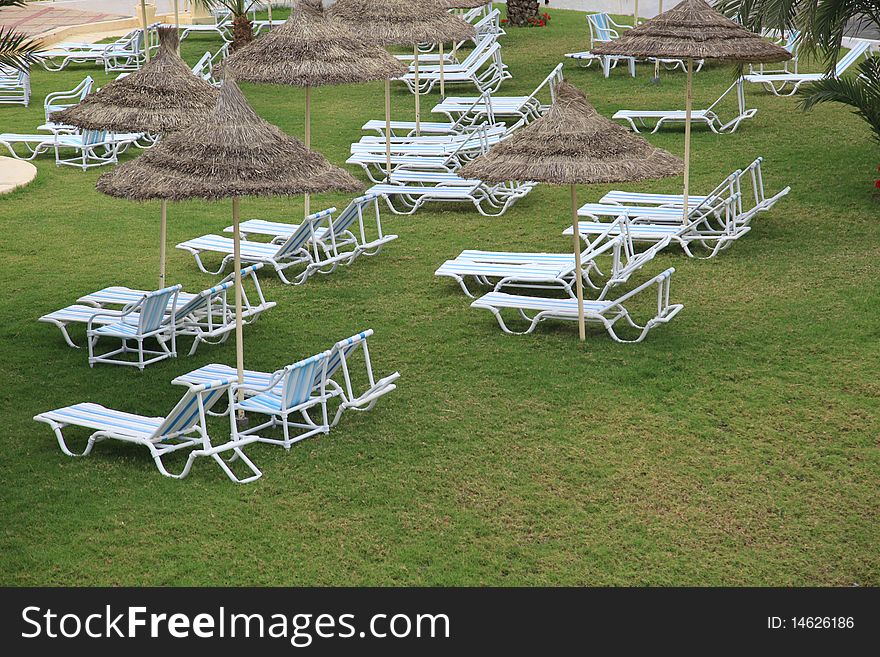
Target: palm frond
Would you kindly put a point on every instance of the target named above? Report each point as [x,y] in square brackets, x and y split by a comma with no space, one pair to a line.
[17,50]
[861,92]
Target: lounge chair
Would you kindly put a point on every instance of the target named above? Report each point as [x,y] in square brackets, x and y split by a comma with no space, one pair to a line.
[294,252]
[605,312]
[553,270]
[787,84]
[791,42]
[15,86]
[124,54]
[527,108]
[602,30]
[463,123]
[488,23]
[339,364]
[489,200]
[641,118]
[93,148]
[482,67]
[205,67]
[160,435]
[61,100]
[338,235]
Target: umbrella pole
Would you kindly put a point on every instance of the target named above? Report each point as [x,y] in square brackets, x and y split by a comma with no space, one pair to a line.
[388,130]
[163,227]
[307,199]
[239,332]
[177,22]
[442,77]
[146,36]
[660,10]
[687,138]
[578,280]
[636,14]
[418,100]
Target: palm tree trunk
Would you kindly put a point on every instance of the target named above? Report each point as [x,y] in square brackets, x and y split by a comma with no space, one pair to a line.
[242,32]
[520,11]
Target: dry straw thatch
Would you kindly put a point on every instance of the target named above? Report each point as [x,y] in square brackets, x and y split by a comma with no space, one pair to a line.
[693,30]
[402,22]
[161,97]
[233,152]
[312,49]
[573,144]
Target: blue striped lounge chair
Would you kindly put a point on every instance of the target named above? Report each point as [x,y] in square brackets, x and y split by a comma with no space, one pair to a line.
[339,236]
[185,427]
[602,30]
[787,84]
[339,363]
[607,312]
[293,252]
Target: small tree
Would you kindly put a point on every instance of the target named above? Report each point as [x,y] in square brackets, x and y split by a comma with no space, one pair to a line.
[242,28]
[520,11]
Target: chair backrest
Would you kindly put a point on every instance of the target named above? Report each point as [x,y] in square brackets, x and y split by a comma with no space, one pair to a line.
[301,378]
[300,237]
[153,305]
[860,48]
[204,67]
[600,30]
[343,349]
[551,80]
[191,408]
[92,137]
[488,23]
[354,211]
[482,45]
[203,298]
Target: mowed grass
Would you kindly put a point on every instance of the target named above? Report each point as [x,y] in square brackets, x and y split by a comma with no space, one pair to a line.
[736,445]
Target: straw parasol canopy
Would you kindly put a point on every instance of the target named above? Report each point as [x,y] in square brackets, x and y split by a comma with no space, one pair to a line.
[402,22]
[310,50]
[161,97]
[573,144]
[231,153]
[693,30]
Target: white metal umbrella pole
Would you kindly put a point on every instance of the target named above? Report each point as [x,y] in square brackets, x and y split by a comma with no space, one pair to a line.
[146,35]
[388,130]
[177,23]
[578,281]
[687,137]
[442,77]
[239,332]
[163,227]
[307,201]
[636,13]
[418,100]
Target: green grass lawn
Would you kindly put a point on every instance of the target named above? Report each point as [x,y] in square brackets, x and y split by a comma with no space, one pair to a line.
[737,445]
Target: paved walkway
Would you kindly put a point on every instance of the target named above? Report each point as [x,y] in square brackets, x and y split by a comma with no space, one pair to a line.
[44,16]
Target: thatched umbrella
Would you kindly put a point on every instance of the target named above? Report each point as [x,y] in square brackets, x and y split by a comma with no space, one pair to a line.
[693,30]
[402,23]
[230,154]
[572,144]
[311,50]
[161,97]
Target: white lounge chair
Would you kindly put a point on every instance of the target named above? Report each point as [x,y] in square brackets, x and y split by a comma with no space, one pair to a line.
[93,148]
[605,312]
[791,42]
[553,270]
[294,252]
[160,435]
[787,84]
[124,54]
[489,200]
[204,68]
[487,23]
[339,365]
[483,68]
[61,100]
[339,235]
[602,30]
[642,118]
[15,86]
[222,26]
[465,122]
[527,108]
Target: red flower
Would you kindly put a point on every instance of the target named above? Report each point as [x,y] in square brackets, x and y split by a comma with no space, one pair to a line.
[877,184]
[541,23]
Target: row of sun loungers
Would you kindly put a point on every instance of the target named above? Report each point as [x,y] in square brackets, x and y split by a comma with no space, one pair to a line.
[127,53]
[297,399]
[619,222]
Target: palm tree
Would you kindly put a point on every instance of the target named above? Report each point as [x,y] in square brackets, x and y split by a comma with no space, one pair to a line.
[520,11]
[242,29]
[16,49]
[823,24]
